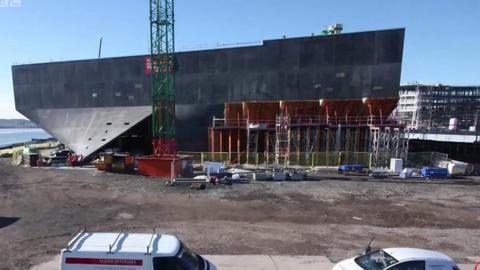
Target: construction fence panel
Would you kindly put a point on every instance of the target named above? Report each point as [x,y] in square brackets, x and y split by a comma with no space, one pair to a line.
[300,159]
[415,160]
[383,160]
[362,158]
[422,159]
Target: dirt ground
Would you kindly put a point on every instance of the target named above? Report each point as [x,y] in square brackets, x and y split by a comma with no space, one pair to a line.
[41,209]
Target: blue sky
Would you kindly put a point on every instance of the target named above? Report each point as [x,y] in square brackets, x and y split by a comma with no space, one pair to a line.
[442,42]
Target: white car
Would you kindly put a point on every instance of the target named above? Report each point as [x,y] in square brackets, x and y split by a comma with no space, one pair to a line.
[399,259]
[132,251]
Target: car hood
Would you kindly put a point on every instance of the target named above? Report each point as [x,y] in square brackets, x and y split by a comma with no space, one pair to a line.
[348,264]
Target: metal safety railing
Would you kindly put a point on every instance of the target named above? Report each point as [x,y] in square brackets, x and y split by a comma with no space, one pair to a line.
[335,158]
[295,158]
[313,120]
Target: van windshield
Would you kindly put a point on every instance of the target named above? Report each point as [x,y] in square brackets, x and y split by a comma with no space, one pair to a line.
[184,260]
[376,260]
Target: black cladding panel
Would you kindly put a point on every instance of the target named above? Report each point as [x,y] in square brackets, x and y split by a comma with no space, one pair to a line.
[80,84]
[343,66]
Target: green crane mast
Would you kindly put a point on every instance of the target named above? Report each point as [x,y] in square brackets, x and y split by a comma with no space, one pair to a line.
[162,61]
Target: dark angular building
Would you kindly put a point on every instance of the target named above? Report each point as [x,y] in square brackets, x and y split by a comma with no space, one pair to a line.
[92,104]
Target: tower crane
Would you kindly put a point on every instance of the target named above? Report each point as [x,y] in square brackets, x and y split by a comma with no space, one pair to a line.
[164,160]
[162,44]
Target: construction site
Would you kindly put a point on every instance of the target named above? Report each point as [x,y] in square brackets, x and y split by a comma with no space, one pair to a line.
[236,149]
[298,132]
[284,102]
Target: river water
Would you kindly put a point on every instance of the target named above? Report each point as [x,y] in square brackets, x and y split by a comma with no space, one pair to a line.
[10,136]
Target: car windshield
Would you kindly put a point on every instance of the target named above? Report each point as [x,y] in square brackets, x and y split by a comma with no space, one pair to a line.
[376,260]
[184,260]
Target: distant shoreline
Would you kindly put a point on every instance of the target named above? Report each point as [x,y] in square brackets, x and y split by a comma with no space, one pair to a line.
[17,123]
[20,128]
[32,141]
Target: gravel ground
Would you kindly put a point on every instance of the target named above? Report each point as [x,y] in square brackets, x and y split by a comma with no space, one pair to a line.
[42,208]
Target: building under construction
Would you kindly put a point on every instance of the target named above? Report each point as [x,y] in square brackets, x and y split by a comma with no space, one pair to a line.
[281,131]
[316,93]
[438,106]
[441,118]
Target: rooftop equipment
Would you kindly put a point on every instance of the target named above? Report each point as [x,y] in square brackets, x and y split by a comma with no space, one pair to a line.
[333,29]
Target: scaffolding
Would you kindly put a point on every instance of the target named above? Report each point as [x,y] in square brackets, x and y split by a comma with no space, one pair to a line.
[386,143]
[299,130]
[282,140]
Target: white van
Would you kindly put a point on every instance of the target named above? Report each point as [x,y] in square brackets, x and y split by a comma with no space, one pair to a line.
[129,251]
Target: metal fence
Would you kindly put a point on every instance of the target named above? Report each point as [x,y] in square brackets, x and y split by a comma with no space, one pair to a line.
[415,160]
[421,159]
[301,159]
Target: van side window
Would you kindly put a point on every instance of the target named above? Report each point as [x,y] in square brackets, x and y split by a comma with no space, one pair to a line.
[411,265]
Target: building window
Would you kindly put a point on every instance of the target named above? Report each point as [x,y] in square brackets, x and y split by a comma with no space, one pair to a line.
[340,75]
